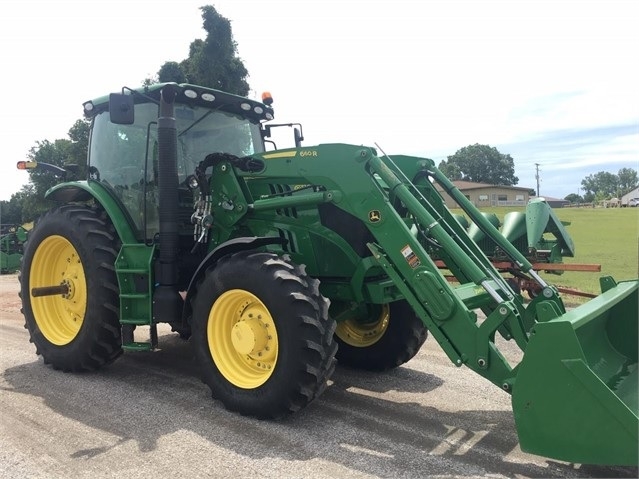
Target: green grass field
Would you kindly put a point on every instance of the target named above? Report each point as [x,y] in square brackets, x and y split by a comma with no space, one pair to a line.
[605,236]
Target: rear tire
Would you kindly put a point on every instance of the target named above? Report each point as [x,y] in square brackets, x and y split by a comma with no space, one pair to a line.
[393,339]
[80,330]
[261,335]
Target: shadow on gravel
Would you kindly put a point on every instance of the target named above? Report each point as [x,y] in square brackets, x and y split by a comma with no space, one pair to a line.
[143,397]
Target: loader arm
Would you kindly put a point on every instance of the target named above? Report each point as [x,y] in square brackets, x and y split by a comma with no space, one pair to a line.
[405,215]
[404,219]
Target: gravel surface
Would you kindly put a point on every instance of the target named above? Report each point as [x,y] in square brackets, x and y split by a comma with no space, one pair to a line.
[149,415]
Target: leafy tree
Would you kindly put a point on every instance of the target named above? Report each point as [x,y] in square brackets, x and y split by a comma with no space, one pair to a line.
[11,211]
[451,170]
[574,198]
[19,209]
[70,154]
[600,185]
[628,180]
[55,153]
[480,164]
[78,150]
[171,72]
[212,62]
[604,185]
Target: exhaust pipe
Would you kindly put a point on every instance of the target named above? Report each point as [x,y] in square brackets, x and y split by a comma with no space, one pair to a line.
[167,302]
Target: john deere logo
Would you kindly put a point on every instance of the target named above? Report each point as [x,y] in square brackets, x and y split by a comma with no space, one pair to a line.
[374,216]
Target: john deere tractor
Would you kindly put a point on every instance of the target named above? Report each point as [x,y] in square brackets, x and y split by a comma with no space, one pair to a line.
[12,237]
[277,263]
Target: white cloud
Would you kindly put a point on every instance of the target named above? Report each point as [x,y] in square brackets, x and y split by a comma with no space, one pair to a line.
[417,77]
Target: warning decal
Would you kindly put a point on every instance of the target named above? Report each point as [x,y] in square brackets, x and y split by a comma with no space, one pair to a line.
[411,258]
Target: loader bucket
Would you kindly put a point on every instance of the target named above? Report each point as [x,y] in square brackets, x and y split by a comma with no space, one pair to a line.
[575,394]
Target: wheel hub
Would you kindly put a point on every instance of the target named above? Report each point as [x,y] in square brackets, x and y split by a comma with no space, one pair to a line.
[361,334]
[242,338]
[59,317]
[250,336]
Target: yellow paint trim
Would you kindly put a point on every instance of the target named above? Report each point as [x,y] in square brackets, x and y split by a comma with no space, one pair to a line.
[59,317]
[281,154]
[363,335]
[242,339]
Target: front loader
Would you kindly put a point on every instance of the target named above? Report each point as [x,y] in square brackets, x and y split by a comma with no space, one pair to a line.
[278,263]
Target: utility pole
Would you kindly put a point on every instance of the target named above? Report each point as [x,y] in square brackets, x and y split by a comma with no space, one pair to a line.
[537,176]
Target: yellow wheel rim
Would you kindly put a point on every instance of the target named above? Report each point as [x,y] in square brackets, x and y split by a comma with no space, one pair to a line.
[242,339]
[59,317]
[362,335]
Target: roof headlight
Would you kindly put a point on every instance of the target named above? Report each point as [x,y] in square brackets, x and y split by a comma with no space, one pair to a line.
[190,93]
[208,97]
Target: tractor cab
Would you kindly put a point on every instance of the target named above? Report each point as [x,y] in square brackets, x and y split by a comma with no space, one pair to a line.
[124,148]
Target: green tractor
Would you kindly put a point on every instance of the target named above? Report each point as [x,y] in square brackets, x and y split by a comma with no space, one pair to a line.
[276,264]
[12,238]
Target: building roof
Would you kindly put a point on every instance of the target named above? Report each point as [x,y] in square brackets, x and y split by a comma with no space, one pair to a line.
[631,194]
[551,199]
[470,185]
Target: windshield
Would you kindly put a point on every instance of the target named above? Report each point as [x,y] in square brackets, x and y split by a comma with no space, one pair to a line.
[125,157]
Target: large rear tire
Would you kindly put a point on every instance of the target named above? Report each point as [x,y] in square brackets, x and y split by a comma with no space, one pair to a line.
[261,335]
[393,338]
[77,330]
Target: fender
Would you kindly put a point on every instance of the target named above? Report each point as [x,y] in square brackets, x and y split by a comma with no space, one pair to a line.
[231,246]
[84,191]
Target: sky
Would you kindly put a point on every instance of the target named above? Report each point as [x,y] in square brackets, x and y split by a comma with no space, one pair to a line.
[551,83]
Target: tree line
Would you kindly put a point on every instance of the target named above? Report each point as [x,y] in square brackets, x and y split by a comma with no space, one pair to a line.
[605,185]
[485,164]
[212,62]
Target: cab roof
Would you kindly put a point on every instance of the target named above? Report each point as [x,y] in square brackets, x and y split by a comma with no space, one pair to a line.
[190,95]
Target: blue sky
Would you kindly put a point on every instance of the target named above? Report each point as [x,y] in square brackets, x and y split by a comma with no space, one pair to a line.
[548,82]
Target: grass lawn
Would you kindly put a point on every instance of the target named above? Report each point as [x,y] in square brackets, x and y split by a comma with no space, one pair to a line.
[605,236]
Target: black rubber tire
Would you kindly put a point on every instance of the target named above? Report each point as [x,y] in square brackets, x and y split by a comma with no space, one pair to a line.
[514,285]
[400,342]
[97,342]
[306,348]
[533,292]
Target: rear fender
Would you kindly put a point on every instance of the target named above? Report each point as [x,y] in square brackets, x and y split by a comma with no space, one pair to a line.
[85,191]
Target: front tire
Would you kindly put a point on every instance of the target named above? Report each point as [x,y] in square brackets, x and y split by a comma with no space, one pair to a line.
[75,247]
[393,338]
[262,335]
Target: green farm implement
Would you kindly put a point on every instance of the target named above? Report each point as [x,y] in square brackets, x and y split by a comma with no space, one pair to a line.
[539,236]
[12,237]
[279,263]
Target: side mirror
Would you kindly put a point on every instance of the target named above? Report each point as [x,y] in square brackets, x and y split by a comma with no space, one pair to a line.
[121,109]
[297,134]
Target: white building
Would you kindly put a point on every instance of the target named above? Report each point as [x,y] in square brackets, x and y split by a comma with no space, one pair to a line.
[628,196]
